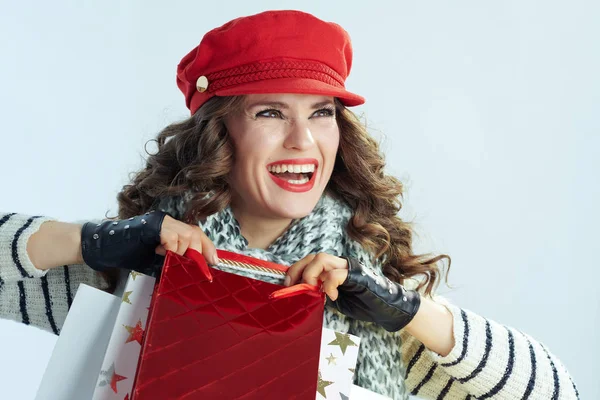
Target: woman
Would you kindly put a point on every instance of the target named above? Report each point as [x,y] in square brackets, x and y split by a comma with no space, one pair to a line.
[272,164]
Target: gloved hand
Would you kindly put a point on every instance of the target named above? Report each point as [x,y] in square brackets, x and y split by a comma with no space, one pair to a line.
[127,243]
[356,291]
[367,297]
[134,243]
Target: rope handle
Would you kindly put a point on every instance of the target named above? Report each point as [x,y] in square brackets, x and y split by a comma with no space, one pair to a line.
[253,264]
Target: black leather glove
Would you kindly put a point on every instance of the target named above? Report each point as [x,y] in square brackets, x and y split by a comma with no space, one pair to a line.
[367,297]
[129,243]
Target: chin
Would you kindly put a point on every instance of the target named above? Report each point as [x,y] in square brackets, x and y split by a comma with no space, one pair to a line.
[295,208]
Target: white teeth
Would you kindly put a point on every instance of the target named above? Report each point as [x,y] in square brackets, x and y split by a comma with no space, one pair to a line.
[295,168]
[298,181]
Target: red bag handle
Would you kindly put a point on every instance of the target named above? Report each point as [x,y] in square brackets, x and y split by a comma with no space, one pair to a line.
[294,290]
[198,258]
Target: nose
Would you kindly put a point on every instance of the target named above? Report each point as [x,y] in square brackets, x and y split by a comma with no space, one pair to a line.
[299,136]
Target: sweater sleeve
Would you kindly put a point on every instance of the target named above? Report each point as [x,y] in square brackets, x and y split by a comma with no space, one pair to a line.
[42,302]
[488,361]
[15,231]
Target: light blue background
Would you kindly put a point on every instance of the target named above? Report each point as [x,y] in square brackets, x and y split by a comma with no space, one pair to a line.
[488,111]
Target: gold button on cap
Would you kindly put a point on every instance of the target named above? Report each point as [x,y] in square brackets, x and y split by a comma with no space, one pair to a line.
[202,84]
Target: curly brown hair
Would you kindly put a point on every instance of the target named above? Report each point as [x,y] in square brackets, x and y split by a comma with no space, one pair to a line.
[195,156]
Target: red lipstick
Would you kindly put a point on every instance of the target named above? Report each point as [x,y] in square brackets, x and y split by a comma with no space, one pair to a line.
[292,187]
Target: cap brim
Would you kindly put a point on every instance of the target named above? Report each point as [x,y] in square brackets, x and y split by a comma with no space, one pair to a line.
[293,85]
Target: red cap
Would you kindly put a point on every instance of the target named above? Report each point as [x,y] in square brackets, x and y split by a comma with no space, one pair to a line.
[270,52]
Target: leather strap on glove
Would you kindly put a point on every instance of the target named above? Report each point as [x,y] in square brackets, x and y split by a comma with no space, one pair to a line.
[367,297]
[129,243]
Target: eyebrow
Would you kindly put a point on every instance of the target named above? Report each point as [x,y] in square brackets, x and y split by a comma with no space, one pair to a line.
[285,106]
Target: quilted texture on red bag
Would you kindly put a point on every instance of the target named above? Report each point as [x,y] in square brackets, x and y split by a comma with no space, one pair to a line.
[226,339]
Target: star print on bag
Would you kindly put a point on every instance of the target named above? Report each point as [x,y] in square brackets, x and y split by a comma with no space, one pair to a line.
[135,274]
[331,359]
[322,384]
[343,340]
[110,377]
[136,333]
[339,352]
[122,351]
[126,297]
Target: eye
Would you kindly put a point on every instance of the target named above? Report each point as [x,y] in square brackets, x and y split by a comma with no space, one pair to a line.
[324,112]
[271,113]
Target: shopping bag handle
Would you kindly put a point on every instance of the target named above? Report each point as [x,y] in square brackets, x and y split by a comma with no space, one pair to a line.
[198,258]
[290,291]
[301,288]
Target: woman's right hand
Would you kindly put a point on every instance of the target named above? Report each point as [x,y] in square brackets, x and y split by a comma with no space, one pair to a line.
[177,236]
[134,242]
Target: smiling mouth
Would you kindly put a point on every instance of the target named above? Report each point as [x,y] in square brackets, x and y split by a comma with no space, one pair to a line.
[295,174]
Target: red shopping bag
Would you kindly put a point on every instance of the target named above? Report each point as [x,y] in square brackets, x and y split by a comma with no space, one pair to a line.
[216,335]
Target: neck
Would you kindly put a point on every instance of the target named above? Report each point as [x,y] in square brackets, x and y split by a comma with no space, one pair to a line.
[258,230]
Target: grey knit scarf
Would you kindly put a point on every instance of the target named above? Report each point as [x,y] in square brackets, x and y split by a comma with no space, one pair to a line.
[379,366]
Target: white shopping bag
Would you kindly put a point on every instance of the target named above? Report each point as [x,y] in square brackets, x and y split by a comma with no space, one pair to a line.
[115,381]
[339,352]
[96,354]
[79,351]
[337,363]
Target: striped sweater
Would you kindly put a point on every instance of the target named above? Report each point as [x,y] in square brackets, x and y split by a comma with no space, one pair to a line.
[488,360]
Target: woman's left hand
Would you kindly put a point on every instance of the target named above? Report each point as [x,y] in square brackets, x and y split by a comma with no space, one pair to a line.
[323,267]
[356,291]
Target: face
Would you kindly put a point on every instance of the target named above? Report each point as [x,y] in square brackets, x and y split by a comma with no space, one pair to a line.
[285,149]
